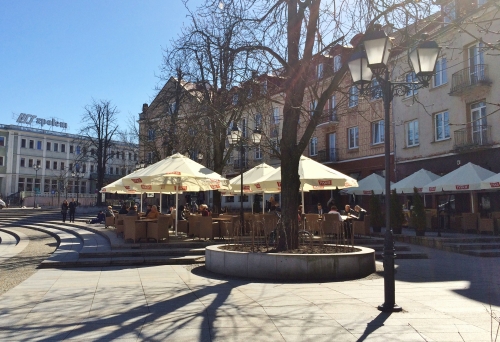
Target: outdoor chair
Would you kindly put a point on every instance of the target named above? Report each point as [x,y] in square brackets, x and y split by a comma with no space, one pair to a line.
[119,225]
[248,217]
[332,225]
[182,226]
[361,227]
[159,230]
[270,222]
[194,225]
[258,226]
[109,222]
[431,221]
[208,228]
[228,228]
[469,222]
[134,231]
[486,225]
[312,223]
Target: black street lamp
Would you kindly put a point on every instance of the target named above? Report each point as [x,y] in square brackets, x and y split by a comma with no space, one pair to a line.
[235,137]
[371,62]
[36,168]
[140,165]
[77,174]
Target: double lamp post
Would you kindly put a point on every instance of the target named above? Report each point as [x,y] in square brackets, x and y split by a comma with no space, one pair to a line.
[371,62]
[77,174]
[237,138]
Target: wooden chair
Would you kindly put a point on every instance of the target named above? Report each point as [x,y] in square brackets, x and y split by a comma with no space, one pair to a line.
[227,228]
[248,217]
[159,230]
[312,223]
[469,221]
[208,228]
[110,222]
[495,215]
[486,225]
[361,227]
[431,221]
[133,231]
[258,226]
[332,226]
[270,222]
[194,225]
[119,225]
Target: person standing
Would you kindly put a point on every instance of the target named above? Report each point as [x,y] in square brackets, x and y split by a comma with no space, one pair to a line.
[64,210]
[72,210]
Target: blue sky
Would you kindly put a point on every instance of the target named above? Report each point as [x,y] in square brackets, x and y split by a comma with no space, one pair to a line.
[56,55]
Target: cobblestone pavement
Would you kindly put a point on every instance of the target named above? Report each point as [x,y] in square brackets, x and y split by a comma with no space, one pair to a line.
[20,267]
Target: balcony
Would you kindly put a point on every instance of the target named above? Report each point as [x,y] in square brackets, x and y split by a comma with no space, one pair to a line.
[329,117]
[469,77]
[236,164]
[473,136]
[327,156]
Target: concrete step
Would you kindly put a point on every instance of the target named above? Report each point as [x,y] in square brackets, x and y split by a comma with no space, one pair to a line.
[403,255]
[399,248]
[126,261]
[123,252]
[484,253]
[473,245]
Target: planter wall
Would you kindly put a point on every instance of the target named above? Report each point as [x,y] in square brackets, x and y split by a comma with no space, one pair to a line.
[282,266]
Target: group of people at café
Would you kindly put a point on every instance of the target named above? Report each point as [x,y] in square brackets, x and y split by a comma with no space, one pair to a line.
[151,213]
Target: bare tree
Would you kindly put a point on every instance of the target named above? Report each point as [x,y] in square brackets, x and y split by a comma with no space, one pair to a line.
[100,127]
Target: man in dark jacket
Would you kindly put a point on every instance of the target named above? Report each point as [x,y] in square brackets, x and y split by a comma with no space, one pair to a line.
[72,210]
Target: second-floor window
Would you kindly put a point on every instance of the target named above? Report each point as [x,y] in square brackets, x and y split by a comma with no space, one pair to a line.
[353,136]
[312,107]
[440,77]
[411,77]
[313,146]
[412,133]
[258,152]
[49,147]
[56,147]
[378,132]
[333,108]
[319,70]
[276,116]
[376,90]
[151,134]
[63,147]
[442,126]
[78,149]
[353,96]
[23,143]
[258,120]
[337,63]
[38,145]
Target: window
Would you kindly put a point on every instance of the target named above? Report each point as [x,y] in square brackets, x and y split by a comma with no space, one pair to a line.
[276,116]
[411,77]
[91,168]
[84,168]
[78,149]
[332,145]
[39,163]
[353,96]
[38,145]
[378,132]
[353,135]
[442,125]
[23,143]
[62,166]
[173,108]
[151,134]
[117,170]
[479,123]
[20,184]
[54,165]
[337,63]
[47,164]
[30,163]
[48,146]
[440,77]
[258,120]
[135,157]
[2,141]
[32,144]
[476,63]
[319,70]
[263,87]
[333,109]
[71,149]
[150,157]
[258,152]
[229,199]
[56,147]
[235,99]
[129,155]
[376,90]
[1,161]
[63,147]
[70,167]
[313,146]
[312,107]
[110,170]
[449,12]
[412,133]
[23,162]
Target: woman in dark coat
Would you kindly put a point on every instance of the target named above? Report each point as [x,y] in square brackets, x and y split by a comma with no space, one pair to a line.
[64,210]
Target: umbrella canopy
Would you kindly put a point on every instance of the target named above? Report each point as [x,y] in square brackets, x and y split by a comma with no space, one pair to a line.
[416,180]
[258,172]
[465,178]
[368,184]
[491,183]
[313,176]
[176,173]
[117,187]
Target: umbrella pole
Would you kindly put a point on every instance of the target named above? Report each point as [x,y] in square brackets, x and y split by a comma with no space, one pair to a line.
[141,202]
[302,193]
[176,209]
[160,201]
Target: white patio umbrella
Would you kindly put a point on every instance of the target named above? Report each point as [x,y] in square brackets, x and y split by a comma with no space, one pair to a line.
[313,176]
[416,180]
[368,184]
[176,173]
[466,178]
[492,182]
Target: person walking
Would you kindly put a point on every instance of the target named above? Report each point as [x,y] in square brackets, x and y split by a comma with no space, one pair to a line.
[72,210]
[64,210]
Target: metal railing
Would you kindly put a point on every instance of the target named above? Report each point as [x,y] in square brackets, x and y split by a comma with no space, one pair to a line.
[329,116]
[328,155]
[473,136]
[244,165]
[468,77]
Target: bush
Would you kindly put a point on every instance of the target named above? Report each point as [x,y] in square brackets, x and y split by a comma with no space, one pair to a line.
[376,218]
[397,216]
[418,212]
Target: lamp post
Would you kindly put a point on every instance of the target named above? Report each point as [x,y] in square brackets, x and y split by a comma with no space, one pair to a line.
[371,62]
[77,174]
[140,165]
[36,168]
[235,138]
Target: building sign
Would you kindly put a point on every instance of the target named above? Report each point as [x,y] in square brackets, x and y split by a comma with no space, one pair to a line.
[33,119]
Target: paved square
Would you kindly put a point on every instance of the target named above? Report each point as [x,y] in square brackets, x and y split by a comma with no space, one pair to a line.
[448,297]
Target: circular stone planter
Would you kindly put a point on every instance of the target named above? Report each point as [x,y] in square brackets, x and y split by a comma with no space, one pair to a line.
[283,266]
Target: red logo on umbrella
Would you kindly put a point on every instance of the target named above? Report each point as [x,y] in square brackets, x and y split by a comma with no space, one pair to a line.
[258,186]
[136,180]
[367,192]
[173,173]
[462,187]
[146,187]
[495,185]
[432,188]
[324,182]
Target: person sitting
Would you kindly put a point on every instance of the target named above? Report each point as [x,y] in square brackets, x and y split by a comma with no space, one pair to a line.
[320,209]
[180,213]
[204,210]
[153,213]
[123,209]
[148,210]
[360,213]
[132,211]
[300,213]
[348,211]
[99,219]
[334,211]
[110,212]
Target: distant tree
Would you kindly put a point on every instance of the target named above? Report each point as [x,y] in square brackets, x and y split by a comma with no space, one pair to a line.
[100,127]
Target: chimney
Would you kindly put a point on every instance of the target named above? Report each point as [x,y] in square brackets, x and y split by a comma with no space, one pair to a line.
[144,107]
